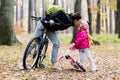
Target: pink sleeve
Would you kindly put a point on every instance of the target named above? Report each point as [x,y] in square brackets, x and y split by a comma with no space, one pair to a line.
[81,37]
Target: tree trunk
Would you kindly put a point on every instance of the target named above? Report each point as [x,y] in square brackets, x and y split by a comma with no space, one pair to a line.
[7,35]
[90,18]
[118,18]
[22,13]
[98,18]
[110,17]
[77,9]
[106,10]
[34,13]
[0,3]
[17,13]
[30,23]
[43,7]
[55,2]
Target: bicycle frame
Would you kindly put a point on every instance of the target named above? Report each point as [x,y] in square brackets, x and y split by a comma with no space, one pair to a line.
[68,56]
[42,43]
[73,61]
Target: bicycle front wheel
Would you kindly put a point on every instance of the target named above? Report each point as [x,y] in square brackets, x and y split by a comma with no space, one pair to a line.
[30,55]
[80,66]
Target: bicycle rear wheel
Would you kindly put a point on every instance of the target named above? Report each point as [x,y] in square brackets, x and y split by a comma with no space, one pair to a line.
[31,55]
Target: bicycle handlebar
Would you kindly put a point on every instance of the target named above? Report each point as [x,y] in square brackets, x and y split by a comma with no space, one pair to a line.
[44,21]
[36,18]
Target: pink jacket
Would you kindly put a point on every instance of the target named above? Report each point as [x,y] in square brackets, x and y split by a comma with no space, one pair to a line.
[81,39]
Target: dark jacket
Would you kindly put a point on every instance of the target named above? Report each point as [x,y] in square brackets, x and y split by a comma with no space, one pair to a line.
[61,19]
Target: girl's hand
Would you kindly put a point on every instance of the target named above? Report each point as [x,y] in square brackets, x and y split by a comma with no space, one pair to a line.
[72,46]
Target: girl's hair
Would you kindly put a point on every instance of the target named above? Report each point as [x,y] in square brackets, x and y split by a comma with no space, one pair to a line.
[75,16]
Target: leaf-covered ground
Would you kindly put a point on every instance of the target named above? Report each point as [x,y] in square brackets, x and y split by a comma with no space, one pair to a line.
[106,56]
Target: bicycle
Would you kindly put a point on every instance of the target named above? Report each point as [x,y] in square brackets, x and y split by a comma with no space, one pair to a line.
[73,61]
[35,52]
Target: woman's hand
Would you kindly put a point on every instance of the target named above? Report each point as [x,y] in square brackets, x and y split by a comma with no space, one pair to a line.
[51,22]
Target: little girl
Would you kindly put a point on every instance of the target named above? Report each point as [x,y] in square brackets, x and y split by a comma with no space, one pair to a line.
[81,42]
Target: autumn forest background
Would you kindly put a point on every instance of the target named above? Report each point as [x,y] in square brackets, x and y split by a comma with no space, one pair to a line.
[17,28]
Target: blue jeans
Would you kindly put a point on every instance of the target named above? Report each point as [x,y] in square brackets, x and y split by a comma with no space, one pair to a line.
[86,52]
[53,37]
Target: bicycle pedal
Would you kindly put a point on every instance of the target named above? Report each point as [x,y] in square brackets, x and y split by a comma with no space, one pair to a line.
[41,66]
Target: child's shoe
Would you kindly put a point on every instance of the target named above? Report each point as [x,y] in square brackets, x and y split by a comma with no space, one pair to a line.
[94,67]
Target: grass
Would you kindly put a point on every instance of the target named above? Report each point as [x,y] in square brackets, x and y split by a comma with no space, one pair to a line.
[10,54]
[107,38]
[65,38]
[108,42]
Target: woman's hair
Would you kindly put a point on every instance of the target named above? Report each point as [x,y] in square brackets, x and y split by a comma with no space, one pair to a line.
[75,16]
